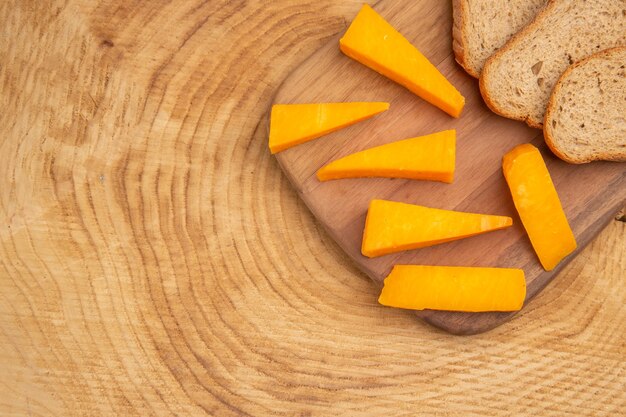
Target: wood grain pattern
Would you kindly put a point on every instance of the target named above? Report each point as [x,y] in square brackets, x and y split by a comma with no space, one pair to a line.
[591,194]
[154,260]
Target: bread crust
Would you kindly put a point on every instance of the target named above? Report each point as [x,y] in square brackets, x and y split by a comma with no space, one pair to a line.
[496,55]
[547,130]
[459,36]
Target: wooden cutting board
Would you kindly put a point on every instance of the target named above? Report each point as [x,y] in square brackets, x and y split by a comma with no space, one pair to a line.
[591,194]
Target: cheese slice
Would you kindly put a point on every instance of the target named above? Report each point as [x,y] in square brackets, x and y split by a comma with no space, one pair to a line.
[469,289]
[429,157]
[293,124]
[392,226]
[375,43]
[538,205]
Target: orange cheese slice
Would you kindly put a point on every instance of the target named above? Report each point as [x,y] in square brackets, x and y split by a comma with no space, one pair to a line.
[429,157]
[538,205]
[293,124]
[392,227]
[375,43]
[469,289]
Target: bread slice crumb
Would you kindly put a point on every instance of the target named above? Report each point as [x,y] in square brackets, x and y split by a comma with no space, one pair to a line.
[517,80]
[481,27]
[586,115]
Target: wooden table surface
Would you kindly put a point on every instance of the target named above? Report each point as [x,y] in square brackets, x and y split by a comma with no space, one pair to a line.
[155,260]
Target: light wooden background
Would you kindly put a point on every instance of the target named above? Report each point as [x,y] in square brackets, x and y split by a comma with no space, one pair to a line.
[155,261]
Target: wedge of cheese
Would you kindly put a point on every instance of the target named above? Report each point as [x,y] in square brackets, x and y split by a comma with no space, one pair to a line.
[392,227]
[538,205]
[470,289]
[375,43]
[293,124]
[429,157]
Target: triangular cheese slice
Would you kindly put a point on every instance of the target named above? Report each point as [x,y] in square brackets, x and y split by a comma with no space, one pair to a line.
[429,157]
[375,43]
[392,227]
[293,124]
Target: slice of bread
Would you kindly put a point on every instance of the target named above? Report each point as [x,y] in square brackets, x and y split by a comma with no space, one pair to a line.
[482,26]
[586,116]
[517,80]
